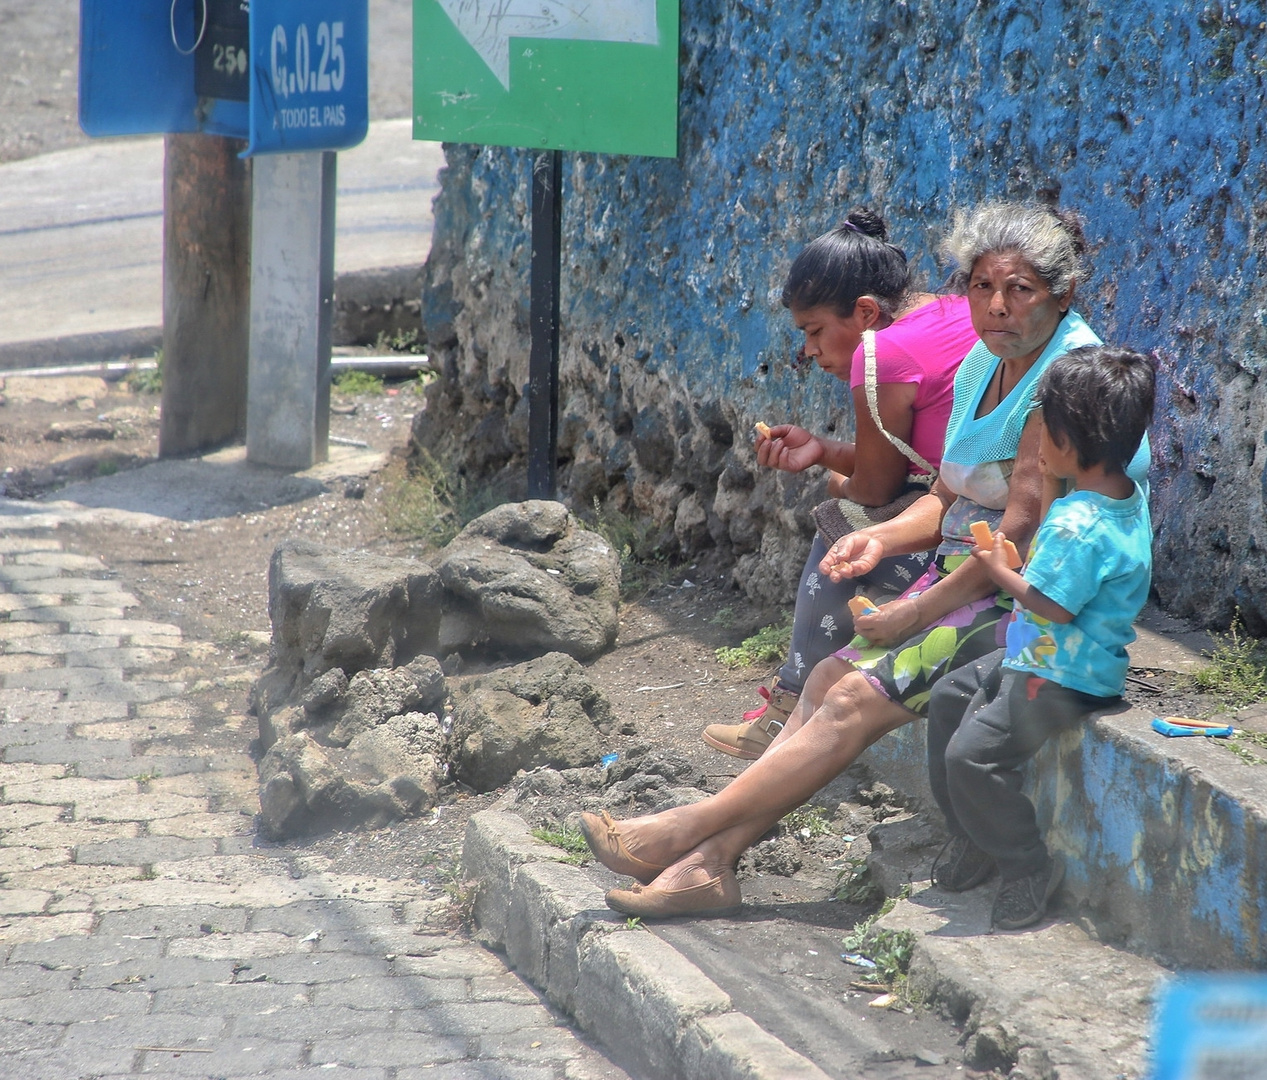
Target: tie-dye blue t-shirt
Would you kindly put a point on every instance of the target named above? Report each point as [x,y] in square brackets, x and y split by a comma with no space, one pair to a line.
[1092,555]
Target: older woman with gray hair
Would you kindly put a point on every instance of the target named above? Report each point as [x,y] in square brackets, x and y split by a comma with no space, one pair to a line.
[1019,265]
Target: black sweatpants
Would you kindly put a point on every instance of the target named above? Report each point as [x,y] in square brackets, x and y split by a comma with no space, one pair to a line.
[984,723]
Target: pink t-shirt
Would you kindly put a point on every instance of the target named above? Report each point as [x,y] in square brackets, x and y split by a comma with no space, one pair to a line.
[925,348]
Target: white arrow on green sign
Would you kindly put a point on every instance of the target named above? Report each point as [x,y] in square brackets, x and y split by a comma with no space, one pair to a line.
[559,74]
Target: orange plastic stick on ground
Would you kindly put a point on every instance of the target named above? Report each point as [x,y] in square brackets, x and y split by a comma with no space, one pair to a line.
[860,605]
[763,429]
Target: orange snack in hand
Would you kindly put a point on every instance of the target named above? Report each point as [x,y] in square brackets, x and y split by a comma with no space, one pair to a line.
[983,538]
[763,429]
[860,605]
[981,535]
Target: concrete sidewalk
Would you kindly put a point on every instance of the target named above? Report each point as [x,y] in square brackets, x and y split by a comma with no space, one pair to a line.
[81,257]
[141,929]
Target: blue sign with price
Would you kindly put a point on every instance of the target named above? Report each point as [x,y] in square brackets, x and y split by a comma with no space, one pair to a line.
[286,75]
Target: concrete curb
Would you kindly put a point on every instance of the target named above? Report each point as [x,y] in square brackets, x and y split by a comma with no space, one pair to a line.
[1164,840]
[386,300]
[1088,1018]
[652,1008]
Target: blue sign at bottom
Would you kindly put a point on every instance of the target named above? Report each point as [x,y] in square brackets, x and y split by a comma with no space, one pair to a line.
[1211,1027]
[285,75]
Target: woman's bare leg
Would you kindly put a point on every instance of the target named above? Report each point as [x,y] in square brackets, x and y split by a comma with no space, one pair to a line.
[843,715]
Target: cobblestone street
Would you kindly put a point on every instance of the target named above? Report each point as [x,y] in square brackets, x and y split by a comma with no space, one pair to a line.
[141,930]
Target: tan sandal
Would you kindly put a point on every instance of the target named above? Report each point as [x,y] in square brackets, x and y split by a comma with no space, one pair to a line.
[602,834]
[750,739]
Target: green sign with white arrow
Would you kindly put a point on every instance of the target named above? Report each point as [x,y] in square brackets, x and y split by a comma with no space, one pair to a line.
[600,76]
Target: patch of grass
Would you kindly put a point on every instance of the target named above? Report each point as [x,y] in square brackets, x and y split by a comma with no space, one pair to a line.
[461,893]
[569,840]
[402,341]
[106,467]
[634,922]
[854,884]
[147,380]
[808,822]
[723,617]
[768,645]
[643,565]
[352,382]
[1240,743]
[891,950]
[432,504]
[1237,672]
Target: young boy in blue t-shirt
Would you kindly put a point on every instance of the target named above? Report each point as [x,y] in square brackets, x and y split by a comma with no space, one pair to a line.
[1085,581]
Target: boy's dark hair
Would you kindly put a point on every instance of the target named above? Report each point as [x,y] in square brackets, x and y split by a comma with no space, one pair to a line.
[1099,400]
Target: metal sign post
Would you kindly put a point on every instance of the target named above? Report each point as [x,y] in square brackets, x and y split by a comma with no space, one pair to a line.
[291,78]
[550,75]
[543,359]
[292,291]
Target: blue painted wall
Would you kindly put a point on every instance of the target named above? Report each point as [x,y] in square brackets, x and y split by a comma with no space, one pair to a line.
[1146,117]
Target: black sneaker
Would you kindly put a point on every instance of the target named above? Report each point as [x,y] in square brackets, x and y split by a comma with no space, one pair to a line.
[1023,901]
[961,865]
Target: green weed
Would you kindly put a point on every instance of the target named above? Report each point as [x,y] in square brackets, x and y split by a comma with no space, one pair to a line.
[854,884]
[351,382]
[766,646]
[643,565]
[891,950]
[106,467]
[723,617]
[1237,672]
[570,840]
[634,922]
[461,893]
[807,822]
[1240,743]
[147,380]
[402,341]
[432,504]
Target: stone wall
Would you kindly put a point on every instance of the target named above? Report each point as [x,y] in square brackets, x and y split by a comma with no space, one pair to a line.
[1147,118]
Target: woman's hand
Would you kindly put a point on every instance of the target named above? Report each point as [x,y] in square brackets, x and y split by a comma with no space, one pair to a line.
[853,554]
[894,623]
[789,448]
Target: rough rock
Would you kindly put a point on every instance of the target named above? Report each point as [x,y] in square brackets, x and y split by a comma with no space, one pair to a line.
[526,578]
[384,774]
[543,712]
[374,696]
[347,610]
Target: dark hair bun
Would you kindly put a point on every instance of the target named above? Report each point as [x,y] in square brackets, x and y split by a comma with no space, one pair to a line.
[867,221]
[1072,221]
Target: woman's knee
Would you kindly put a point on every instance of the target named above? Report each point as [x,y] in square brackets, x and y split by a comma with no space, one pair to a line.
[849,698]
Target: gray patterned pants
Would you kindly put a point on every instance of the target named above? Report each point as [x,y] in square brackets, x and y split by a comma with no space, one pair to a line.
[822,622]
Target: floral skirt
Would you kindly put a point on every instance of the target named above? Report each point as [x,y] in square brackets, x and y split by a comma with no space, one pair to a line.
[905,674]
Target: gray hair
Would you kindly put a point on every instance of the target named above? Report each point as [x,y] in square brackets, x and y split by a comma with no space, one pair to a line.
[1051,243]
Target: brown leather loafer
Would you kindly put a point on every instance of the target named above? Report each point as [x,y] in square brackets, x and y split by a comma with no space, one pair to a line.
[603,836]
[717,896]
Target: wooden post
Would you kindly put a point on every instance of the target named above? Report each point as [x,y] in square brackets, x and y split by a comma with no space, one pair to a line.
[206,292]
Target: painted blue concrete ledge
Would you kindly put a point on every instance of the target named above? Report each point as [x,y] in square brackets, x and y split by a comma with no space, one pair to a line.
[1165,840]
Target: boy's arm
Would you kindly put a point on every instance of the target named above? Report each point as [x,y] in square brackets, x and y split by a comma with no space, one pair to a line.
[995,562]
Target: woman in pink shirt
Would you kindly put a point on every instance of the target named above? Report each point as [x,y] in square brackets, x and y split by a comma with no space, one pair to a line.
[847,282]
